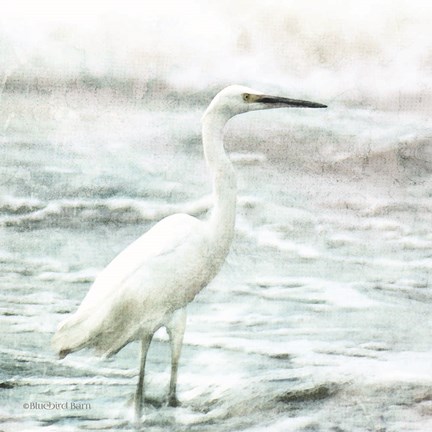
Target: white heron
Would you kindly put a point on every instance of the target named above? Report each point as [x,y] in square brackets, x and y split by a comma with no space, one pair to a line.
[150,283]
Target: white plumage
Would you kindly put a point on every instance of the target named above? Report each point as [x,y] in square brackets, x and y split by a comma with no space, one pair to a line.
[150,283]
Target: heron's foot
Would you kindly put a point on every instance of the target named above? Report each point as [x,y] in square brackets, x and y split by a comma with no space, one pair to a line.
[138,415]
[173,401]
[153,402]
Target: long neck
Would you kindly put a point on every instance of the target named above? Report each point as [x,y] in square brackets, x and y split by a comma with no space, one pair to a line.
[222,219]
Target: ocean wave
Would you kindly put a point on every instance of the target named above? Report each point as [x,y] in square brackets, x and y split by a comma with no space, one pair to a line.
[85,365]
[250,158]
[20,212]
[271,239]
[371,206]
[32,213]
[312,290]
[404,158]
[82,276]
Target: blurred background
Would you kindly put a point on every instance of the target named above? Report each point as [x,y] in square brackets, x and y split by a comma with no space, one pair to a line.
[376,53]
[320,318]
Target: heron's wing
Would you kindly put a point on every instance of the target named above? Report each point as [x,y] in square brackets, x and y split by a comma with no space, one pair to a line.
[162,239]
[111,309]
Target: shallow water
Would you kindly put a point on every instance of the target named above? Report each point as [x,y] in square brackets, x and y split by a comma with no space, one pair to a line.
[320,318]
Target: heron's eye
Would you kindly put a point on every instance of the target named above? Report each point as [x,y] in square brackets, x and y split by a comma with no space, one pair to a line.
[246,97]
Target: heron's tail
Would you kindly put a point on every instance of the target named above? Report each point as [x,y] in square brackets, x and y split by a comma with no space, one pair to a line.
[91,330]
[69,337]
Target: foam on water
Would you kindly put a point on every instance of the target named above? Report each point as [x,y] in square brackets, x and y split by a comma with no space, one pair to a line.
[291,424]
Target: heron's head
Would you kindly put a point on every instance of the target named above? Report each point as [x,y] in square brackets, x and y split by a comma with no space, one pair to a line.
[236,99]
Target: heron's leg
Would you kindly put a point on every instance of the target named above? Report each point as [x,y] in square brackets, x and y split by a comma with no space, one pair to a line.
[139,395]
[175,328]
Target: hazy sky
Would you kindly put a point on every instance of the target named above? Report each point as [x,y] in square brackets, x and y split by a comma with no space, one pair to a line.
[191,43]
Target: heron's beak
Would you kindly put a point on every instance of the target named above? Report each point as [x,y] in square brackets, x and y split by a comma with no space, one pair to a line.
[281,102]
